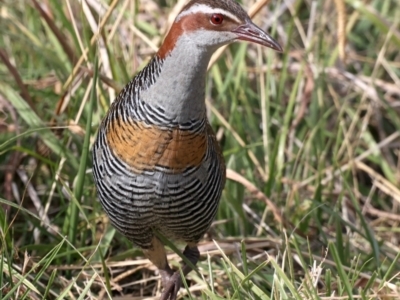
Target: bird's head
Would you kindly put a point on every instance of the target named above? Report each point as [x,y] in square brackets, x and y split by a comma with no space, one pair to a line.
[214,23]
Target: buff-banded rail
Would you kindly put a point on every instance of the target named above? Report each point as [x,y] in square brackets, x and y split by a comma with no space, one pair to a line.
[156,162]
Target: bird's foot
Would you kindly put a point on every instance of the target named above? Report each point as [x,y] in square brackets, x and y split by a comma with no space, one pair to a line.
[172,281]
[171,286]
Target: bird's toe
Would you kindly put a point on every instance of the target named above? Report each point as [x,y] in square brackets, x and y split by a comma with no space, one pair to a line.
[171,289]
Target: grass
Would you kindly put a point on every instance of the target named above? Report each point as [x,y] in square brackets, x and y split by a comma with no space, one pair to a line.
[311,138]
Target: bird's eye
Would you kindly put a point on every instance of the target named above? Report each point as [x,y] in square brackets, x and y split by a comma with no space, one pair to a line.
[217,19]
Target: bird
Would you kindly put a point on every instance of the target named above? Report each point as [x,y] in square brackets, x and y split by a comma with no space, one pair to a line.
[157,165]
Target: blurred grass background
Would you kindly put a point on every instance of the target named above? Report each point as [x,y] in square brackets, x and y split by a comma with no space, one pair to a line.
[310,137]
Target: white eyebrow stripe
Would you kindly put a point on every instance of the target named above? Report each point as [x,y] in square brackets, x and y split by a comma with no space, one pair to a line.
[207,10]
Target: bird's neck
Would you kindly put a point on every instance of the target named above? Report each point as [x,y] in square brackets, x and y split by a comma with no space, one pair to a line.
[179,89]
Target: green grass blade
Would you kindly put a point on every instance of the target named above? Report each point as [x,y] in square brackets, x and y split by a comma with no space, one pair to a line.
[83,163]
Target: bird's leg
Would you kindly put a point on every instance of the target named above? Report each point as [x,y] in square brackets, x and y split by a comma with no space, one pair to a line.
[156,254]
[171,281]
[171,290]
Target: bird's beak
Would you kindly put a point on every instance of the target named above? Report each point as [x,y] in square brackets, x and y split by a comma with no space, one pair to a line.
[252,33]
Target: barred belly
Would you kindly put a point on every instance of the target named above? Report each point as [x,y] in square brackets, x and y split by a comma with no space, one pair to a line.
[180,199]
